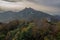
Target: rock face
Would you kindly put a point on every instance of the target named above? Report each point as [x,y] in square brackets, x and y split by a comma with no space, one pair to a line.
[26,14]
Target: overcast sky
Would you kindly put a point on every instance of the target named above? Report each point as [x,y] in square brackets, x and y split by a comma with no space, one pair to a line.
[49,6]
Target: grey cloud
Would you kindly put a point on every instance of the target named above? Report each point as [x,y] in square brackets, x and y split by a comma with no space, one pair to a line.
[47,2]
[14,0]
[53,4]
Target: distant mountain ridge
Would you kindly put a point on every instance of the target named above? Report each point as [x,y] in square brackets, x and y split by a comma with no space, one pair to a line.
[27,14]
[57,17]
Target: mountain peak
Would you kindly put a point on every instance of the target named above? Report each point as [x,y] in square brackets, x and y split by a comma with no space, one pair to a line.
[28,8]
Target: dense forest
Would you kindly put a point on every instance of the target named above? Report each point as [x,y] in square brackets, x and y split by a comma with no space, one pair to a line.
[30,30]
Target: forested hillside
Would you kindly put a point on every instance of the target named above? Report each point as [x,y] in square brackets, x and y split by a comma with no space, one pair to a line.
[29,30]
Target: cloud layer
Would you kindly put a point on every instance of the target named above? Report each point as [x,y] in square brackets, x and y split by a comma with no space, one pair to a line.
[42,5]
[15,0]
